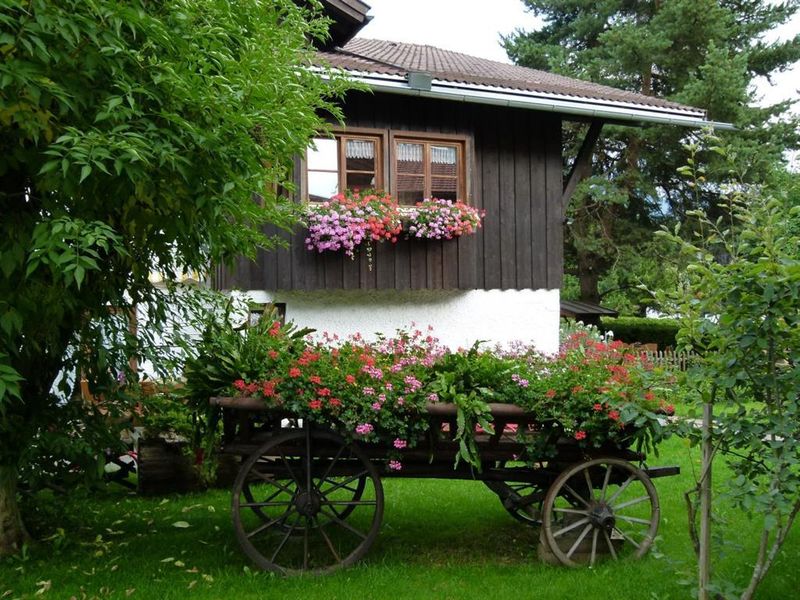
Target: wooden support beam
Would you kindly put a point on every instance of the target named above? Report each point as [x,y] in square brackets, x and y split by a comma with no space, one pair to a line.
[582,167]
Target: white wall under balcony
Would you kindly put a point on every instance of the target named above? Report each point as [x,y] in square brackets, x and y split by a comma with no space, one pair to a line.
[458,317]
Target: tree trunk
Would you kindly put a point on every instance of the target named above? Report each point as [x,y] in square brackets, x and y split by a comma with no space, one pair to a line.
[704,563]
[12,531]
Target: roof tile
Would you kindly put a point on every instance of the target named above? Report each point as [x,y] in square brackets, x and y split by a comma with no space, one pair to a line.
[396,58]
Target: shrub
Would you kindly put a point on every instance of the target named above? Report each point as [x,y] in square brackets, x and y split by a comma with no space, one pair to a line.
[640,330]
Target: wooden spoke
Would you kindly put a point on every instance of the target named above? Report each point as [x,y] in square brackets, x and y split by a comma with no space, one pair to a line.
[572,511]
[589,488]
[269,524]
[605,482]
[632,519]
[333,462]
[570,527]
[579,539]
[344,524]
[345,482]
[289,468]
[305,543]
[621,489]
[272,481]
[626,536]
[610,545]
[593,556]
[576,495]
[263,504]
[330,544]
[282,543]
[349,502]
[629,503]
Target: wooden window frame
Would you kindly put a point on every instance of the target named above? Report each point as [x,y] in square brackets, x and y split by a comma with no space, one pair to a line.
[426,139]
[386,166]
[341,135]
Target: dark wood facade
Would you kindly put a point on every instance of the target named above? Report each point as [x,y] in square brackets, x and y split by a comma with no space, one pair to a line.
[515,172]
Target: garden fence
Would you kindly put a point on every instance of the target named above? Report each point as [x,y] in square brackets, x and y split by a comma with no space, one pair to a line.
[670,359]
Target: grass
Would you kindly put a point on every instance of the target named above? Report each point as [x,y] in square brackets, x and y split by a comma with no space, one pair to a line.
[439,540]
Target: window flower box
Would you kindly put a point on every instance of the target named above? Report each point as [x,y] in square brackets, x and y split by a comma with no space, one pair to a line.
[353,218]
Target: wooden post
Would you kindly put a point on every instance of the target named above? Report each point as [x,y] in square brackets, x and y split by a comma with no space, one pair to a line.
[704,567]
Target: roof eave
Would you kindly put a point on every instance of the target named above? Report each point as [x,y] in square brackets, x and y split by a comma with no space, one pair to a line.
[569,105]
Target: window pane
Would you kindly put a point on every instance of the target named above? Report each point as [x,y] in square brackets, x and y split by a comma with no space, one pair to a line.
[444,187]
[409,158]
[322,155]
[360,155]
[322,185]
[360,181]
[444,160]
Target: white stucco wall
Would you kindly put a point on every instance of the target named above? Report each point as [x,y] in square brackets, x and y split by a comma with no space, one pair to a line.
[458,317]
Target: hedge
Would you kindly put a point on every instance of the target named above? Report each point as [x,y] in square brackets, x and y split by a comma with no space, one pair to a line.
[639,330]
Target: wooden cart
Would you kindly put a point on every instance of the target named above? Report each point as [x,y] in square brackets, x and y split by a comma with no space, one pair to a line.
[308,500]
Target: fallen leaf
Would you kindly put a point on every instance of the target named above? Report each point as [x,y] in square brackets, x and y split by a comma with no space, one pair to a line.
[168,559]
[130,592]
[181,524]
[44,586]
[192,583]
[180,564]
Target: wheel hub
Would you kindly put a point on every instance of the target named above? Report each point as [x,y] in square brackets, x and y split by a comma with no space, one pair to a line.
[601,516]
[307,503]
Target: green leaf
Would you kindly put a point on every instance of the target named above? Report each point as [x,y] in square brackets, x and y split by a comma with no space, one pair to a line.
[79,274]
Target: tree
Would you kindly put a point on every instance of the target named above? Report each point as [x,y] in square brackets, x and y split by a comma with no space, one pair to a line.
[135,136]
[739,305]
[703,53]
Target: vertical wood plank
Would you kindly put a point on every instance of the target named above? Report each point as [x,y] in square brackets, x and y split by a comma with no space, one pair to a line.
[490,188]
[522,201]
[435,114]
[555,212]
[393,116]
[508,247]
[538,203]
[469,247]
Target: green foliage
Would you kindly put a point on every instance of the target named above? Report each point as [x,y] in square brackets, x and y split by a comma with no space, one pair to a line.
[469,381]
[640,330]
[703,53]
[133,137]
[740,311]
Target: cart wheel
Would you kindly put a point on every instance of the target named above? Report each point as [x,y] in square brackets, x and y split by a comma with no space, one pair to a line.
[600,508]
[298,511]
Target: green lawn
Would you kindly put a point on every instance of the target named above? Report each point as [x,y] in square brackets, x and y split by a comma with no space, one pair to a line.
[439,540]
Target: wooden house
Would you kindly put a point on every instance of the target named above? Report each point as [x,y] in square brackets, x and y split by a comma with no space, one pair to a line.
[440,123]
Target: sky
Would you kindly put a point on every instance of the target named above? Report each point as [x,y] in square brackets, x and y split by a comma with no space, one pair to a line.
[474,27]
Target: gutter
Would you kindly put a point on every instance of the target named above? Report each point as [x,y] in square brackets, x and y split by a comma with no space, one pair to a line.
[583,107]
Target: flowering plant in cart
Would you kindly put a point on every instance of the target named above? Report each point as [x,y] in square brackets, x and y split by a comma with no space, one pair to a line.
[592,393]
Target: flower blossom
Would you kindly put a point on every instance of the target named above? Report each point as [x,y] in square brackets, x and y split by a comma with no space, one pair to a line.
[364,429]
